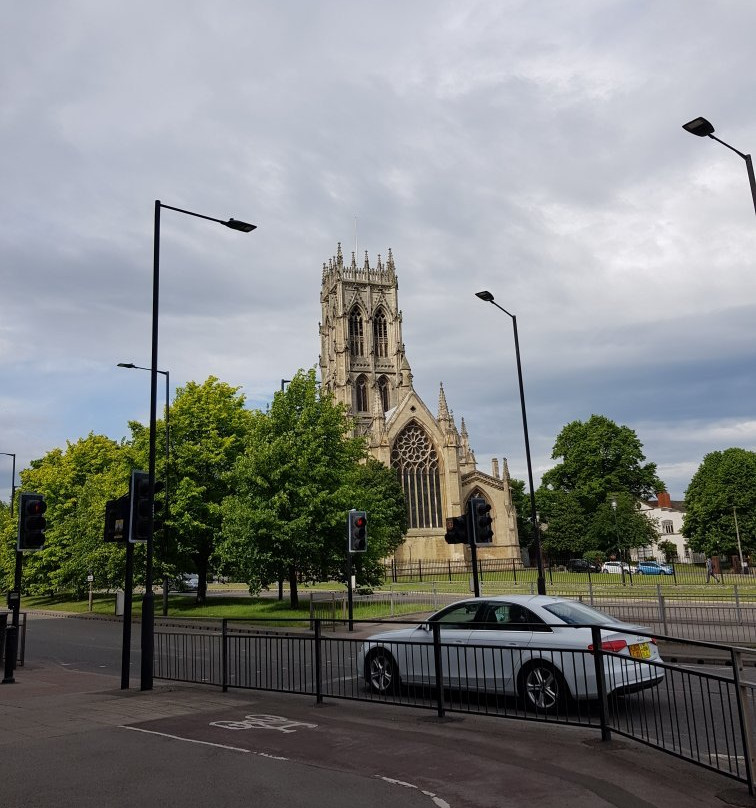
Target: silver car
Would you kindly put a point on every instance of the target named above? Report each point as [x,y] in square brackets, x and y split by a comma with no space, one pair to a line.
[535,647]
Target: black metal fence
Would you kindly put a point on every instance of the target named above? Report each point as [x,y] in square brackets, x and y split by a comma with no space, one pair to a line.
[703,717]
[560,571]
[727,616]
[5,620]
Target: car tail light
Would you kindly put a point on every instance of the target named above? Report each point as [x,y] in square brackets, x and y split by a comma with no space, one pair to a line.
[615,646]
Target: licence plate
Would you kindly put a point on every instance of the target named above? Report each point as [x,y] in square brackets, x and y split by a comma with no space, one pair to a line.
[640,650]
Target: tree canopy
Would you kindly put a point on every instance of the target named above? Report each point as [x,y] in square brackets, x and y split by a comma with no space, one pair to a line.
[208,430]
[293,486]
[76,484]
[600,462]
[722,489]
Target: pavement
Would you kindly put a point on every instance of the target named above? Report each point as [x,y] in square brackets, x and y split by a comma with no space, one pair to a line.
[70,737]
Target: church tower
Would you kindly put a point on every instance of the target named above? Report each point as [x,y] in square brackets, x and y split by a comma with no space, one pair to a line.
[363,364]
[362,358]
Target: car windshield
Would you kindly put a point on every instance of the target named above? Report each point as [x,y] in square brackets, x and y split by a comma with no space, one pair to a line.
[578,614]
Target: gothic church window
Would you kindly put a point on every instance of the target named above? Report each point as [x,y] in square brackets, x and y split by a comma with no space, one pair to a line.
[356,333]
[416,460]
[380,334]
[361,395]
[383,392]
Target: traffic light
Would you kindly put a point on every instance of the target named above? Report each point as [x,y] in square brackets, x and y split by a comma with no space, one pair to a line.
[139,510]
[357,524]
[481,520]
[456,530]
[117,519]
[31,522]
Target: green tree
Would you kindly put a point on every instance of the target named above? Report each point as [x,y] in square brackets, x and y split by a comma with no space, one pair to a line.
[375,489]
[292,490]
[599,461]
[76,484]
[208,432]
[723,487]
[521,502]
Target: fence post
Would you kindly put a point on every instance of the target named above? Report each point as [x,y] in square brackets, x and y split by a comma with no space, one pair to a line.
[598,662]
[514,570]
[662,608]
[590,592]
[224,654]
[738,613]
[318,671]
[420,570]
[746,717]
[436,627]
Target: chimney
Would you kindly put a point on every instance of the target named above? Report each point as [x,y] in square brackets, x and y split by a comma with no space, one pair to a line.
[663,500]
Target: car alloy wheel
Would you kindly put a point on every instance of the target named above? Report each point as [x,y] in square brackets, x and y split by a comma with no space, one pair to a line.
[542,687]
[381,672]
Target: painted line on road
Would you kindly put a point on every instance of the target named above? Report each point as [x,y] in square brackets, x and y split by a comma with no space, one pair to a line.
[436,800]
[204,743]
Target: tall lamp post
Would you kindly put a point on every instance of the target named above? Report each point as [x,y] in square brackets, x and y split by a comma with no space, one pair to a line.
[489,298]
[702,128]
[148,602]
[13,480]
[167,374]
[619,548]
[18,568]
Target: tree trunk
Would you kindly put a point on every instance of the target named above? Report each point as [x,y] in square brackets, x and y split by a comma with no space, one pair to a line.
[202,562]
[293,587]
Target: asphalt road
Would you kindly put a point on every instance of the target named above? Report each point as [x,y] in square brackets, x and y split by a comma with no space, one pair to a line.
[234,750]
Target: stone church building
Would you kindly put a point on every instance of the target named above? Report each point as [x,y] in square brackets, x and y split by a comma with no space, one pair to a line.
[363,363]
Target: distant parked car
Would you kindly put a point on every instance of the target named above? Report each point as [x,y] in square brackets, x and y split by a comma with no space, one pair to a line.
[654,568]
[186,582]
[615,567]
[582,565]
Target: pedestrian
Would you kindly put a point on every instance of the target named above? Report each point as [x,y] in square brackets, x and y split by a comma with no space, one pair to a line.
[710,571]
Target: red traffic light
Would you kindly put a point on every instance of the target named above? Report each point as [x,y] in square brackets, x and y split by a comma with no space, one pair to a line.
[360,521]
[35,508]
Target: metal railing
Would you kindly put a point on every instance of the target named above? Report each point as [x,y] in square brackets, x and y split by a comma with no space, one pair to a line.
[21,644]
[703,717]
[557,572]
[720,617]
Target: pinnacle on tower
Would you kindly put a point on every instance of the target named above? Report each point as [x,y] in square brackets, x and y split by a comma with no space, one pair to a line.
[443,409]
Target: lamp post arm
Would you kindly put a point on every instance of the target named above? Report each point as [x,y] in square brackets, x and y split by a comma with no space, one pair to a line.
[749,166]
[191,213]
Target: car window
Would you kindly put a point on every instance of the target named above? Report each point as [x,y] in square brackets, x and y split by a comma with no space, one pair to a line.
[575,613]
[458,616]
[512,617]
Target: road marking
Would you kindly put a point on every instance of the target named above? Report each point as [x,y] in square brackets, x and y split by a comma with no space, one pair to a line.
[436,800]
[263,721]
[204,743]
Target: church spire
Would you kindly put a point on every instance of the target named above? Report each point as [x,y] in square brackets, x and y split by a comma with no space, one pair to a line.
[443,408]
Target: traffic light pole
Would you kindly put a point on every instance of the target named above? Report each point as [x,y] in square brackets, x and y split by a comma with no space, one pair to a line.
[473,550]
[128,594]
[350,597]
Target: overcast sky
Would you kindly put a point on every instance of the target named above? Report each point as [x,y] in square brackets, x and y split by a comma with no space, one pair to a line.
[534,149]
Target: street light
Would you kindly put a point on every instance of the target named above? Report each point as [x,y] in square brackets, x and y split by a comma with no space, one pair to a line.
[15,604]
[166,373]
[148,602]
[489,298]
[702,128]
[619,548]
[13,480]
